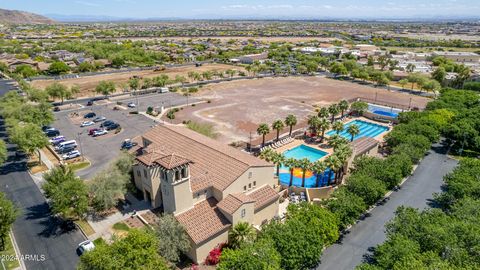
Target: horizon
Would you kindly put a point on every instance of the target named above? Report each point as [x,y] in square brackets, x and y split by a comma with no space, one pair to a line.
[117,10]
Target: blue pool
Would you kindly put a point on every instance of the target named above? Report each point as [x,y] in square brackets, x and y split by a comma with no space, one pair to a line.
[367,129]
[385,111]
[312,154]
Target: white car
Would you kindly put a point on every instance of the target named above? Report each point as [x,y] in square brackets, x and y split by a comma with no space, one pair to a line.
[131,105]
[70,155]
[100,132]
[99,119]
[87,124]
[86,246]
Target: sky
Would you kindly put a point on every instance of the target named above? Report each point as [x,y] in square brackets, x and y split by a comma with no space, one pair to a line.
[202,9]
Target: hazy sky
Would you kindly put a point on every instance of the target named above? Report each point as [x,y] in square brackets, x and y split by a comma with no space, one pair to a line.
[248,8]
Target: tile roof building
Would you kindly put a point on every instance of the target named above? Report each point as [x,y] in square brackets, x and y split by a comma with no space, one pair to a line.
[206,185]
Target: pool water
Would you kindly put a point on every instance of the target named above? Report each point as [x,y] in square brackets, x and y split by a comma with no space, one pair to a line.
[385,111]
[312,154]
[367,129]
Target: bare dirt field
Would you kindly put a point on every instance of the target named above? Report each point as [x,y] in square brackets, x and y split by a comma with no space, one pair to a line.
[87,84]
[238,107]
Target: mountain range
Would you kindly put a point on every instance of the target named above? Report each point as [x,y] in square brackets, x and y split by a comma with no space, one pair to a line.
[22,17]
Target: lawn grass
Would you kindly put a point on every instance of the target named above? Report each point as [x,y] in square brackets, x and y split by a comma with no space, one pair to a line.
[86,228]
[99,241]
[79,165]
[202,128]
[8,255]
[120,226]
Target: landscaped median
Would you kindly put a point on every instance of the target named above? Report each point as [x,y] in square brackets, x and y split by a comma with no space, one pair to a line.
[8,257]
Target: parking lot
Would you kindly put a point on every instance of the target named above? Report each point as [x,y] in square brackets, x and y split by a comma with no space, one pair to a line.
[102,150]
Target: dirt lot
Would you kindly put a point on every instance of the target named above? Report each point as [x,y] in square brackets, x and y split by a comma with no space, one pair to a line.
[238,107]
[87,84]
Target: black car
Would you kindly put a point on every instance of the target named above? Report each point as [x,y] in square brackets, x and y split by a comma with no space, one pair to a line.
[107,123]
[89,115]
[128,144]
[112,127]
[52,132]
[56,109]
[45,128]
[90,103]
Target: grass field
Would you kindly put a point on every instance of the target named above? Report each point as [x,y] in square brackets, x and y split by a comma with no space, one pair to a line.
[8,256]
[86,228]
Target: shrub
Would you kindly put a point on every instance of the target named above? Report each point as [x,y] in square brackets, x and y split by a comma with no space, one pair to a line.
[213,257]
[347,206]
[366,187]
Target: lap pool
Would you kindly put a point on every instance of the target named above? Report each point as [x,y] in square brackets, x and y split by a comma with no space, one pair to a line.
[367,129]
[312,154]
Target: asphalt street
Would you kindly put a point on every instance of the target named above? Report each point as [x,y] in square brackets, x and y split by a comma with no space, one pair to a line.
[100,151]
[42,241]
[416,192]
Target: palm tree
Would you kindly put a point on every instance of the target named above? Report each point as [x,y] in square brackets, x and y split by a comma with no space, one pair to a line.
[334,163]
[267,154]
[323,112]
[343,152]
[343,106]
[291,163]
[333,110]
[323,125]
[338,127]
[319,168]
[278,159]
[242,233]
[290,120]
[263,130]
[336,140]
[313,122]
[353,130]
[278,125]
[305,165]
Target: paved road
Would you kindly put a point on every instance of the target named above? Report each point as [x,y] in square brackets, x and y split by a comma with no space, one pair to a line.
[416,192]
[35,231]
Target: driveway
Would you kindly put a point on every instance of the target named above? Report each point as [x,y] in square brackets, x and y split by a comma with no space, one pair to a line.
[416,192]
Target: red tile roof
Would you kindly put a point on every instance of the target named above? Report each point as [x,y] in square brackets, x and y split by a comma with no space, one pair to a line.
[263,196]
[203,221]
[233,201]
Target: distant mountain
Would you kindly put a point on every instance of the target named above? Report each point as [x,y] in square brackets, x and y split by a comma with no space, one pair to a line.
[22,17]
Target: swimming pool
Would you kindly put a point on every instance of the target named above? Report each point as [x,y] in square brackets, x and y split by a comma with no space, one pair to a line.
[367,129]
[382,110]
[312,154]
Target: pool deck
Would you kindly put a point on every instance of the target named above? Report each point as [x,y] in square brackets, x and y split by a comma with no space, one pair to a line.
[324,146]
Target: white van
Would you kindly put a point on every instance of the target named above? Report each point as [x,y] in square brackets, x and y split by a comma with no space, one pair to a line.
[66,144]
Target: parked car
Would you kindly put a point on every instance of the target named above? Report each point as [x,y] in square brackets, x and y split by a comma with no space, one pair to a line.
[46,128]
[127,144]
[90,103]
[56,140]
[92,130]
[107,123]
[99,119]
[87,123]
[86,246]
[112,127]
[67,149]
[72,154]
[89,115]
[56,109]
[52,133]
[100,132]
[131,105]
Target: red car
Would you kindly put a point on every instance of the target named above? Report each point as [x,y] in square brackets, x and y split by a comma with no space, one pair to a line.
[92,131]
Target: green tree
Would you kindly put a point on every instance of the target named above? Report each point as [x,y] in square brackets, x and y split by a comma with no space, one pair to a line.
[263,130]
[3,152]
[278,126]
[359,107]
[439,75]
[278,159]
[172,238]
[338,69]
[25,71]
[323,125]
[333,110]
[319,168]
[58,67]
[134,83]
[291,163]
[403,82]
[105,88]
[290,121]
[305,165]
[334,163]
[343,106]
[366,187]
[8,214]
[241,234]
[107,187]
[323,112]
[29,137]
[261,255]
[337,126]
[347,206]
[75,90]
[138,250]
[353,130]
[67,193]
[57,90]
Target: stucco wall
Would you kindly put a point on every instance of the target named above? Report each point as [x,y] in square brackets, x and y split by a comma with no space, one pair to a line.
[259,177]
[266,213]
[198,254]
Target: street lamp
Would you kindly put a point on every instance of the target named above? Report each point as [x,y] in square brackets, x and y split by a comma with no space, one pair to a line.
[80,143]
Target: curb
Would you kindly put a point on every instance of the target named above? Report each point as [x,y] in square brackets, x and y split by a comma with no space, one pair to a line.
[17,251]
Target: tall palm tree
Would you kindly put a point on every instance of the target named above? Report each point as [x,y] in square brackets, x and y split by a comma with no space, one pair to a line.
[333,110]
[334,163]
[278,125]
[242,233]
[336,140]
[263,130]
[313,122]
[323,125]
[290,120]
[343,152]
[319,168]
[338,127]
[267,154]
[353,130]
[278,159]
[343,106]
[323,112]
[305,165]
[291,163]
